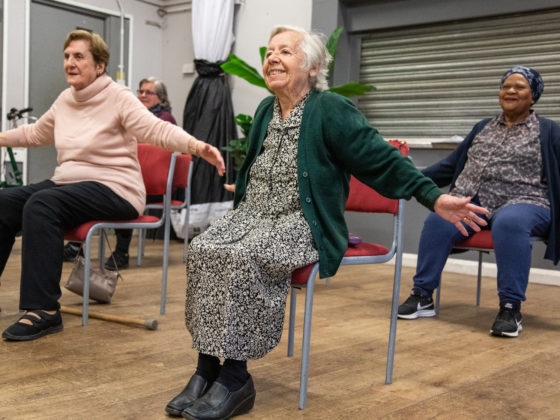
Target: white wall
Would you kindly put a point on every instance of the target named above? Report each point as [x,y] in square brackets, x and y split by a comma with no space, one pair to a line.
[177,50]
[162,52]
[253,21]
[156,51]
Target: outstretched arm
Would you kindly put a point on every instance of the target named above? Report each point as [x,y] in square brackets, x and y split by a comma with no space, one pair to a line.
[211,155]
[459,211]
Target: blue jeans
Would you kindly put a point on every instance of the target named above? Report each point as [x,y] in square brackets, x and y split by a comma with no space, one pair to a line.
[511,226]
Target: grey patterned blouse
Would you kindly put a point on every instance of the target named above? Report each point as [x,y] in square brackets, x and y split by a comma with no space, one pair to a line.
[504,166]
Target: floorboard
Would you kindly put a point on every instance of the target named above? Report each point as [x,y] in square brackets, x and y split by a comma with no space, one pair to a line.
[445,367]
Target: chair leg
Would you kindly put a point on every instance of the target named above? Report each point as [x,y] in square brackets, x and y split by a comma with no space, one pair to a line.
[87,262]
[292,321]
[186,235]
[479,279]
[438,291]
[306,341]
[393,325]
[166,235]
[101,247]
[141,235]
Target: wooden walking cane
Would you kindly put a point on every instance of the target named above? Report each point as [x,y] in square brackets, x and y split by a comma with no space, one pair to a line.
[150,324]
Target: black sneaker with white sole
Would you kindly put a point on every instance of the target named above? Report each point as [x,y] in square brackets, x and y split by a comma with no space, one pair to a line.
[417,306]
[508,321]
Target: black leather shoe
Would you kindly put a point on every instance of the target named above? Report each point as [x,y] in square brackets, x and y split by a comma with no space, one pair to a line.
[220,404]
[195,388]
[117,261]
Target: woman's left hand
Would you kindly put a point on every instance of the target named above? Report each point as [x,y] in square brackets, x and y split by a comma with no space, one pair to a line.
[213,156]
[459,210]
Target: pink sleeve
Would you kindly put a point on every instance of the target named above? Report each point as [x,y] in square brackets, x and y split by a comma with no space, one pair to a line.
[147,128]
[32,135]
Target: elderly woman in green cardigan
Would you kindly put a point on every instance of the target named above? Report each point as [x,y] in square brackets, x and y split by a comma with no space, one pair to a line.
[289,203]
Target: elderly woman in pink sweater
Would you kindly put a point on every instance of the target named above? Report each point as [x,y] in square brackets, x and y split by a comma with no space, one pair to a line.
[95,126]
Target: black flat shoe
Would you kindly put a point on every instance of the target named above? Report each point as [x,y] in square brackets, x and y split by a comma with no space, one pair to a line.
[220,404]
[117,261]
[46,324]
[195,388]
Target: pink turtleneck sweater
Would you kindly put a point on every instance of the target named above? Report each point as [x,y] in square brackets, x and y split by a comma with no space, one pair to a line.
[95,132]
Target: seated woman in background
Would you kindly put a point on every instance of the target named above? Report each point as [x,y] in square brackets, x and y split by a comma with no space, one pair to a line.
[153,95]
[94,126]
[289,204]
[509,164]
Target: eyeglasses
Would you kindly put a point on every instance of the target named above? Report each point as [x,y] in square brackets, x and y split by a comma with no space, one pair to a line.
[145,92]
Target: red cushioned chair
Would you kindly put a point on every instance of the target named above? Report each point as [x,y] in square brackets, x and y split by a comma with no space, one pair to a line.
[181,180]
[482,243]
[365,200]
[157,167]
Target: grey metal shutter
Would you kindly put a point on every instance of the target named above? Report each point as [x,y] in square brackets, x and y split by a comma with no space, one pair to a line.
[435,81]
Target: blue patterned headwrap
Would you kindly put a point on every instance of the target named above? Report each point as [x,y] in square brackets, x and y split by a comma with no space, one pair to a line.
[533,77]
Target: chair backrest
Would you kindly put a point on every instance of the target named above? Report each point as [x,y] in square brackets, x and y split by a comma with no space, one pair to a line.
[364,199]
[154,163]
[181,173]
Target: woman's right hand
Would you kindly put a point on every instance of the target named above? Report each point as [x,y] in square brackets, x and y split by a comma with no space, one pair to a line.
[230,187]
[459,211]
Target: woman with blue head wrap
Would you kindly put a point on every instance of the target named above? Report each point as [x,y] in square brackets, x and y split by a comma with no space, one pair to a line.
[532,76]
[508,164]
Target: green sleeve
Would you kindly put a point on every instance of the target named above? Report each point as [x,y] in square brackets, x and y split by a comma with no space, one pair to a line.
[366,155]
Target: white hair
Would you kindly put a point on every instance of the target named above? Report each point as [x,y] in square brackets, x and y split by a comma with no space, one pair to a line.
[315,52]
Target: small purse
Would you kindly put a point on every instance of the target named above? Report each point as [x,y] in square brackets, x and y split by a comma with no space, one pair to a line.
[102,282]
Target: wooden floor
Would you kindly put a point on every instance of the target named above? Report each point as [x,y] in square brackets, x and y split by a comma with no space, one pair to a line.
[445,368]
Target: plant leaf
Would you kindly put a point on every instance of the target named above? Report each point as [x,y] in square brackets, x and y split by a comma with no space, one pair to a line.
[262,52]
[245,122]
[240,68]
[352,89]
[332,45]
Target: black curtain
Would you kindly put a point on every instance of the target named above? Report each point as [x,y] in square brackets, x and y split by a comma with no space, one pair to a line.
[208,116]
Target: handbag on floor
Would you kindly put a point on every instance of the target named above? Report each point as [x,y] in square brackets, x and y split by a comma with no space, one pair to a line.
[102,282]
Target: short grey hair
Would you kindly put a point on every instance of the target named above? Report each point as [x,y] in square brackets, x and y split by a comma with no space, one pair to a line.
[315,51]
[161,90]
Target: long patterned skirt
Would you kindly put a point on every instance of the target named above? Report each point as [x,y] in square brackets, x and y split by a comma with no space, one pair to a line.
[238,276]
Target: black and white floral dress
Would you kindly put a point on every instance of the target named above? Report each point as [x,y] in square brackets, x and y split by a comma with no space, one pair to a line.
[238,271]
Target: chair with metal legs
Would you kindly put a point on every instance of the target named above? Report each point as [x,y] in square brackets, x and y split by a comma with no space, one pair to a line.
[181,180]
[366,200]
[157,167]
[482,243]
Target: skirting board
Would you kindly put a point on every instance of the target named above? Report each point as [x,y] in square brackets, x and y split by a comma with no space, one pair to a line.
[537,275]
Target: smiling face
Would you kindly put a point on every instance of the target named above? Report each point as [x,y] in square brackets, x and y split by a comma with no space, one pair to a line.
[282,67]
[79,66]
[147,94]
[516,98]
